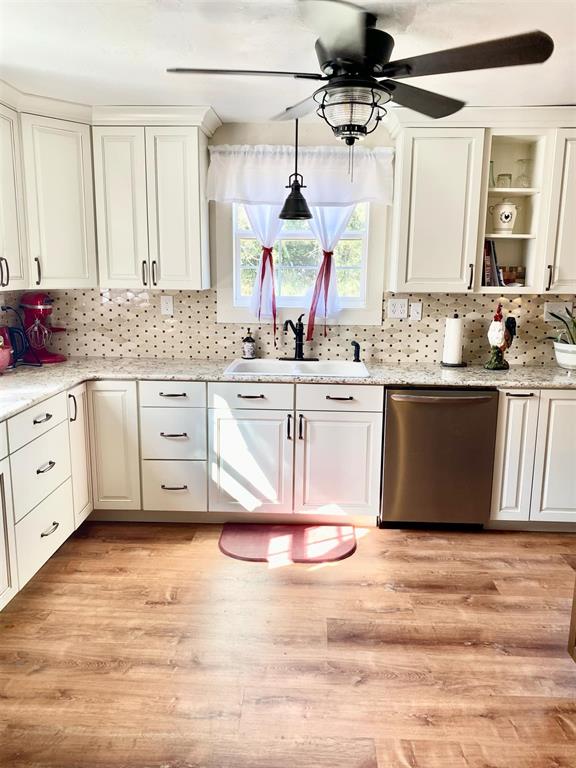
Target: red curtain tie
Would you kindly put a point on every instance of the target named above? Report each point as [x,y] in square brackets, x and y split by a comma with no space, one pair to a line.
[267,258]
[322,284]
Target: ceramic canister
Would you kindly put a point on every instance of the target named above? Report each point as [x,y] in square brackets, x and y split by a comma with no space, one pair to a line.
[503,216]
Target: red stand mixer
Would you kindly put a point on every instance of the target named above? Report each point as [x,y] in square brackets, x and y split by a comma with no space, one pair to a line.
[37,308]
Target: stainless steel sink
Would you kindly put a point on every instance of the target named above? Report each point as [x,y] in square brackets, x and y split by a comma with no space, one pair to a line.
[328,368]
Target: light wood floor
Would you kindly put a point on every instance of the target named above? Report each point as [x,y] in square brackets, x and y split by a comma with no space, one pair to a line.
[141,646]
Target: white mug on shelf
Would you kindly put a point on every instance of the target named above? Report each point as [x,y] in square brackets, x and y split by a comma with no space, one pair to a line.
[504,216]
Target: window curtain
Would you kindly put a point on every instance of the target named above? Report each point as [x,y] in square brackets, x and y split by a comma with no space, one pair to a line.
[327,224]
[266,226]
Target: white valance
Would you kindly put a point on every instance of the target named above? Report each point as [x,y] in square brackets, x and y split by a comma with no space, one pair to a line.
[258,174]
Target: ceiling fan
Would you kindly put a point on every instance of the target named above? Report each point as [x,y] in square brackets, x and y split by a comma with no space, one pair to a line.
[359,78]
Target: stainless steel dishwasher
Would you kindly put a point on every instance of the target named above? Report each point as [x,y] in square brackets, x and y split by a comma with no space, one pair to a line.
[438,456]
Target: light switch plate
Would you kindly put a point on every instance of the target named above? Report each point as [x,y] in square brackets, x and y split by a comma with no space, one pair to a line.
[557,307]
[415,310]
[167,305]
[397,309]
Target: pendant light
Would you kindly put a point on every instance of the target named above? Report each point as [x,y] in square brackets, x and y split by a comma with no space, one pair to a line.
[295,207]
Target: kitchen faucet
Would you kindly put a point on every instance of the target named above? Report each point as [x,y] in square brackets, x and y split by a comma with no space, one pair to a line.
[298,331]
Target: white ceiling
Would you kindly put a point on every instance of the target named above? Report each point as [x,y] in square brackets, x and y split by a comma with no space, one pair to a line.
[116,51]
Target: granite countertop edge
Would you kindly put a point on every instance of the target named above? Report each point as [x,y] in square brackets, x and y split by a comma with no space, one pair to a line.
[22,388]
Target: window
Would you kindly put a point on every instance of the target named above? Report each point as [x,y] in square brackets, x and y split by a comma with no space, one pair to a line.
[297,257]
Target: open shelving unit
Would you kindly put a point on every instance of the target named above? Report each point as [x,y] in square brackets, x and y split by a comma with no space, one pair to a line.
[522,156]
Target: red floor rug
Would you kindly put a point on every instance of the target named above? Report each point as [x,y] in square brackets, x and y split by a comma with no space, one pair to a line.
[284,544]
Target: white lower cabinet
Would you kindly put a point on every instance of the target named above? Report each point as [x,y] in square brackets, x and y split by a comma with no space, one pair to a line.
[514,457]
[80,452]
[338,463]
[554,485]
[8,569]
[113,418]
[250,460]
[174,486]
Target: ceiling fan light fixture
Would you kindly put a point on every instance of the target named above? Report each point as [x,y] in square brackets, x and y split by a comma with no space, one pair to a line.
[352,111]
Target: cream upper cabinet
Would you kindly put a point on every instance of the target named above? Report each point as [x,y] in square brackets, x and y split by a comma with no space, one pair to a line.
[12,240]
[561,266]
[436,210]
[554,485]
[8,569]
[514,457]
[113,418]
[177,208]
[59,203]
[120,190]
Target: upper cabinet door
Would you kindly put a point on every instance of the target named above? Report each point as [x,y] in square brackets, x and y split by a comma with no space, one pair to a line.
[554,486]
[561,268]
[177,208]
[12,261]
[58,178]
[120,189]
[437,203]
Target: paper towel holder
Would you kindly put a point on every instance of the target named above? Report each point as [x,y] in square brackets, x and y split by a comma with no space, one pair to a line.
[453,365]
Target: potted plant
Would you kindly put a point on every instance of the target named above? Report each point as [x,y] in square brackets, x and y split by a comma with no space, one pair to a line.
[565,341]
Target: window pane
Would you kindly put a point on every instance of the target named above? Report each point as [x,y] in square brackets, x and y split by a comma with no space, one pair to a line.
[348,283]
[249,252]
[357,221]
[242,223]
[348,253]
[295,281]
[302,225]
[299,253]
[247,277]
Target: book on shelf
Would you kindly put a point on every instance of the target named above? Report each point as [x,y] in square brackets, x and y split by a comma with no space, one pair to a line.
[492,273]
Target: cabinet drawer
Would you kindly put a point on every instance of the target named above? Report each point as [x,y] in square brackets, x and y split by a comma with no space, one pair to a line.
[173,394]
[36,421]
[173,433]
[41,532]
[3,440]
[251,395]
[39,468]
[339,397]
[175,485]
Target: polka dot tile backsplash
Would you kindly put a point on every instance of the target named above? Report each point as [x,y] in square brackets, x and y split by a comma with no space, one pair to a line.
[129,324]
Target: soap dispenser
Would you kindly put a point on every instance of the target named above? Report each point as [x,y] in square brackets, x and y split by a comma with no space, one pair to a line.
[248,347]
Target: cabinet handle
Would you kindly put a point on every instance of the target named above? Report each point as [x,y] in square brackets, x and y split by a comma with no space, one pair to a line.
[300,427]
[73,398]
[38,271]
[471,277]
[42,419]
[173,394]
[145,272]
[50,531]
[550,275]
[289,427]
[46,467]
[519,394]
[154,272]
[251,397]
[4,276]
[173,434]
[174,487]
[331,397]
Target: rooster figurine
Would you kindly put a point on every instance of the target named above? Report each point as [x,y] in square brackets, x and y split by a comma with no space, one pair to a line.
[500,335]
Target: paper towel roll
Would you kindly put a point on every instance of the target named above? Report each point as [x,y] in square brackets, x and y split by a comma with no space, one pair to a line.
[453,336]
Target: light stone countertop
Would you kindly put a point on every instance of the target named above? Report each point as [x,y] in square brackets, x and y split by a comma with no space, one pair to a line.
[25,386]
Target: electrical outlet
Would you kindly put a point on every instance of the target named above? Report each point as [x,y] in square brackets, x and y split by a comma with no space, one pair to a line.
[167,305]
[558,307]
[415,310]
[397,309]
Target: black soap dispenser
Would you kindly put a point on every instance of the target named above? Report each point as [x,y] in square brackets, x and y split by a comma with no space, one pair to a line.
[248,347]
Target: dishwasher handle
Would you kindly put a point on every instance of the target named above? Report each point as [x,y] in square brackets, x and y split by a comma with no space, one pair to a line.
[441,398]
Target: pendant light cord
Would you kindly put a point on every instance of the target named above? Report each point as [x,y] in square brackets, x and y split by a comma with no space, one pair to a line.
[296,149]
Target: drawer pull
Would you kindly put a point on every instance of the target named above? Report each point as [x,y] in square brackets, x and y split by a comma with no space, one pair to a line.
[46,467]
[251,397]
[173,394]
[50,531]
[174,487]
[519,394]
[331,397]
[173,434]
[42,419]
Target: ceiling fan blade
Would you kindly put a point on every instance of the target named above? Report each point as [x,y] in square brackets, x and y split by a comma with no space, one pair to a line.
[256,72]
[529,48]
[341,26]
[427,102]
[298,110]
